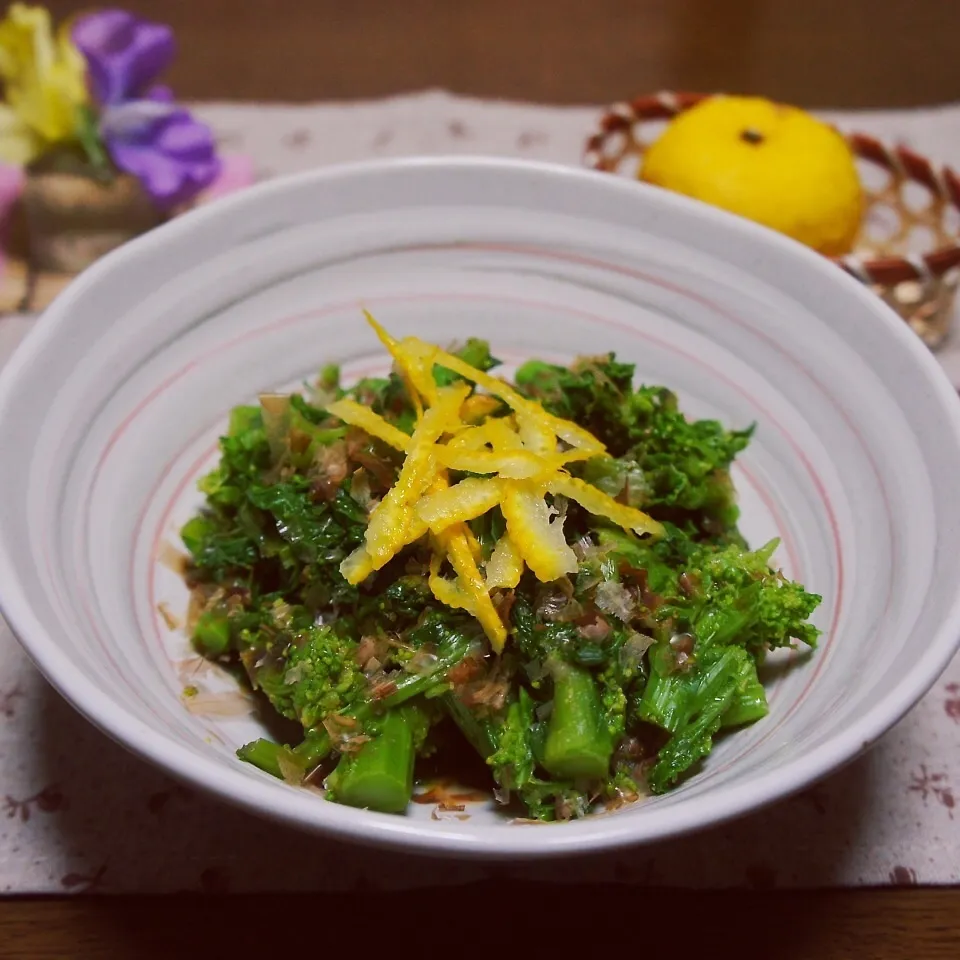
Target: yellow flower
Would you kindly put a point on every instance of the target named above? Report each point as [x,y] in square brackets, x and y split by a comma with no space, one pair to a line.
[45,83]
[18,143]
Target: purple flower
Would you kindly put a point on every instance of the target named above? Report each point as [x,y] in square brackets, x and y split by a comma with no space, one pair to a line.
[124,54]
[172,155]
[146,134]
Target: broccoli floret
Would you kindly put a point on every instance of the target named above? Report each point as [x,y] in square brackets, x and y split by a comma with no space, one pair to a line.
[330,682]
[323,675]
[218,539]
[513,761]
[722,594]
[744,600]
[735,607]
[261,636]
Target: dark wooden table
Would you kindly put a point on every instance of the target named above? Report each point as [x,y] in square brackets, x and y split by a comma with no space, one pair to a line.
[507,920]
[855,53]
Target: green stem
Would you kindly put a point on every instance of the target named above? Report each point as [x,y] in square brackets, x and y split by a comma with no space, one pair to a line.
[750,702]
[414,684]
[89,138]
[579,744]
[266,755]
[380,775]
[313,749]
[480,734]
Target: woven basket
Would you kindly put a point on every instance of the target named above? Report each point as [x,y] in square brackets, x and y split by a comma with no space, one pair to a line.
[908,248]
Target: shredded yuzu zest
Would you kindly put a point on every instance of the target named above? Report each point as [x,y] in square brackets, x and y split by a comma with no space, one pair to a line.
[520,458]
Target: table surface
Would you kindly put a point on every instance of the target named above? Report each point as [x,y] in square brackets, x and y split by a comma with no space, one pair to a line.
[824,925]
[84,817]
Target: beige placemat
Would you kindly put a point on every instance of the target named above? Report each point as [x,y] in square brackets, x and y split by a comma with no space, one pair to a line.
[80,814]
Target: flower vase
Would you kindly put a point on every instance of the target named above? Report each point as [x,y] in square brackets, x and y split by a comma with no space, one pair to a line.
[73,218]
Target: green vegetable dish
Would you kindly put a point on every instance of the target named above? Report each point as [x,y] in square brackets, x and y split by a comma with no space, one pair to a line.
[545,576]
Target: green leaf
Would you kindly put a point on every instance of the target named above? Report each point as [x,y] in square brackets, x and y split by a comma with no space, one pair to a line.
[88,134]
[309,526]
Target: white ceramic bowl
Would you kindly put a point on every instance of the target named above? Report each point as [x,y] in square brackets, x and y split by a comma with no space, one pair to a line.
[111,409]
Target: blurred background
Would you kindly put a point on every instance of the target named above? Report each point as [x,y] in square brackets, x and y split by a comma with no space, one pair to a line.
[815,53]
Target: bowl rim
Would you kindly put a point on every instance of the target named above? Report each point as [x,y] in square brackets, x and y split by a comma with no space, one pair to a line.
[302,809]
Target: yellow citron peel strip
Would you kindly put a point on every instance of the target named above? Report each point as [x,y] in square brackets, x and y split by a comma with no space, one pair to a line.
[601,505]
[386,532]
[416,359]
[476,551]
[477,407]
[448,593]
[540,542]
[505,566]
[512,465]
[534,433]
[387,528]
[470,591]
[499,433]
[573,455]
[357,566]
[503,435]
[421,373]
[402,364]
[473,585]
[463,501]
[357,415]
[509,465]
